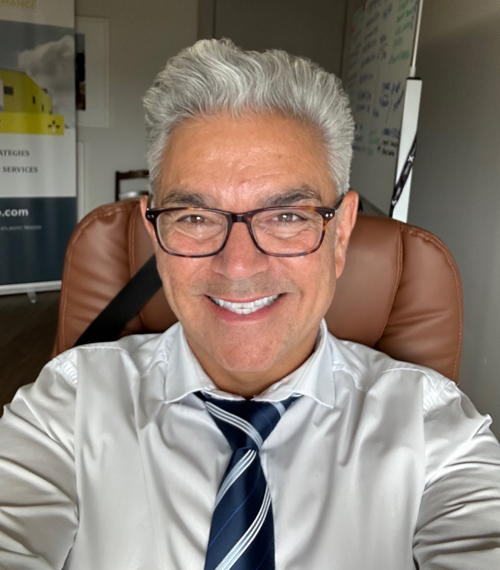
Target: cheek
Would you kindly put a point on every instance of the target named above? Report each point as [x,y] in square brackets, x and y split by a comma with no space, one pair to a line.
[175,274]
[316,278]
[327,273]
[336,252]
[329,239]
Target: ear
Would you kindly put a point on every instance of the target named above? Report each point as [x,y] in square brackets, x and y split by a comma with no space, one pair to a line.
[143,204]
[345,224]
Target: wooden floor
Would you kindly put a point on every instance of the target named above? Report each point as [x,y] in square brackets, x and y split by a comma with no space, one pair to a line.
[26,336]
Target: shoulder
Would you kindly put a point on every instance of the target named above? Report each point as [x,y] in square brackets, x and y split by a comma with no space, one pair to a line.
[367,369]
[412,399]
[100,379]
[98,372]
[134,352]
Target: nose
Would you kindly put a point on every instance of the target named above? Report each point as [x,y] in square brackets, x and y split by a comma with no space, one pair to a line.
[240,258]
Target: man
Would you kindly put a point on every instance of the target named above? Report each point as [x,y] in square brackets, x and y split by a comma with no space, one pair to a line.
[246,436]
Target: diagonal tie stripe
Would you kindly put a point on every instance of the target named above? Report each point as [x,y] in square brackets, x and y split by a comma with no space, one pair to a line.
[235,473]
[242,532]
[236,422]
[244,542]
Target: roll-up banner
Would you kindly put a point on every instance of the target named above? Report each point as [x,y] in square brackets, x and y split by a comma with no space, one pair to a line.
[37,141]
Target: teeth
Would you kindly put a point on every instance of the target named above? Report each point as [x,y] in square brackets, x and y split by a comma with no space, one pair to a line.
[245,308]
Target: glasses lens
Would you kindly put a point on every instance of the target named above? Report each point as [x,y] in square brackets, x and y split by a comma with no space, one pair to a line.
[288,231]
[191,231]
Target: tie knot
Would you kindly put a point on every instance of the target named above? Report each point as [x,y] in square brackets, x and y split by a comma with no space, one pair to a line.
[245,423]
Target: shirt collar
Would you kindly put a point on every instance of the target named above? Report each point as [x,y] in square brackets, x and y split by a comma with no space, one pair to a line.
[314,378]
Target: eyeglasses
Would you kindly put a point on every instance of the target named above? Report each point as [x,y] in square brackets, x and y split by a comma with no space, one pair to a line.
[279,231]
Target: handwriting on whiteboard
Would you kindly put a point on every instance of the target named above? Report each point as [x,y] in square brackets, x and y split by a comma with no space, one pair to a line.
[377,65]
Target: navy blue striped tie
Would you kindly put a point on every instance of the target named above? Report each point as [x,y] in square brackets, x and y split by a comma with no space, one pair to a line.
[242,531]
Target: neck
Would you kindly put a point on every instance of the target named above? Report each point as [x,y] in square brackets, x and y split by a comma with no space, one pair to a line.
[249,383]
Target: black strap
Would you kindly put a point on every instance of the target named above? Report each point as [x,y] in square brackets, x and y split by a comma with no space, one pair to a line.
[403,177]
[125,305]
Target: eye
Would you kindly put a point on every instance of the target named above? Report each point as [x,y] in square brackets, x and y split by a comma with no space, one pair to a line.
[197,221]
[191,219]
[289,217]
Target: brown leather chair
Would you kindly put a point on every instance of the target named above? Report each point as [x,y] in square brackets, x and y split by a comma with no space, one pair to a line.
[400,292]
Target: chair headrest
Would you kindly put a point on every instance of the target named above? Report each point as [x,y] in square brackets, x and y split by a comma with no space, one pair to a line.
[400,291]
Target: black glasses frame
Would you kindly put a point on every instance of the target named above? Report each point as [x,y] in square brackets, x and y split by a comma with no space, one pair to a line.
[152,215]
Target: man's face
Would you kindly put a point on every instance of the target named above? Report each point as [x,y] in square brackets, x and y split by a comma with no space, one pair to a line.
[241,164]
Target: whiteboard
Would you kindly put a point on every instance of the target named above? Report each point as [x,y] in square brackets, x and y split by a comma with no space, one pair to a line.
[379,47]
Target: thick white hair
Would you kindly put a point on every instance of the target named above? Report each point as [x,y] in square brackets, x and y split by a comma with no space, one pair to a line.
[215,76]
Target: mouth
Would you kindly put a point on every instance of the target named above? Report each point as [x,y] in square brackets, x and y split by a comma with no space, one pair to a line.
[245,308]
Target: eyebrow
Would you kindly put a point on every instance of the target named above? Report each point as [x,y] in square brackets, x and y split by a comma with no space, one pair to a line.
[295,195]
[184,198]
[285,198]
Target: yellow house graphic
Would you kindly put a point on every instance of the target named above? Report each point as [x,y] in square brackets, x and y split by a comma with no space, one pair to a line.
[26,108]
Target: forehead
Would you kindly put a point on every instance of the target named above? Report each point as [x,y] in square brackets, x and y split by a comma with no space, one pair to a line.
[244,159]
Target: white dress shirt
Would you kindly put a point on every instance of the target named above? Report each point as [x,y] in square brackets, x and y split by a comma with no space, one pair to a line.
[110,462]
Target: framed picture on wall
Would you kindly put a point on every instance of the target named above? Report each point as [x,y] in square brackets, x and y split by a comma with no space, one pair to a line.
[92,71]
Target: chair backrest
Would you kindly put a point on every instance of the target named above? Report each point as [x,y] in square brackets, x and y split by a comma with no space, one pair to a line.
[400,292]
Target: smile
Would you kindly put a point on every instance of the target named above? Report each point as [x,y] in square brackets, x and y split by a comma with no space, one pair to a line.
[245,308]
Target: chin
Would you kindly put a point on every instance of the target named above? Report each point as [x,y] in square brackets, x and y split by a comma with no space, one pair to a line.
[261,366]
[243,361]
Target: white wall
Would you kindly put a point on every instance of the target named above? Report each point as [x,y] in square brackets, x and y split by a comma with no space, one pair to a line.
[456,185]
[142,36]
[312,28]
